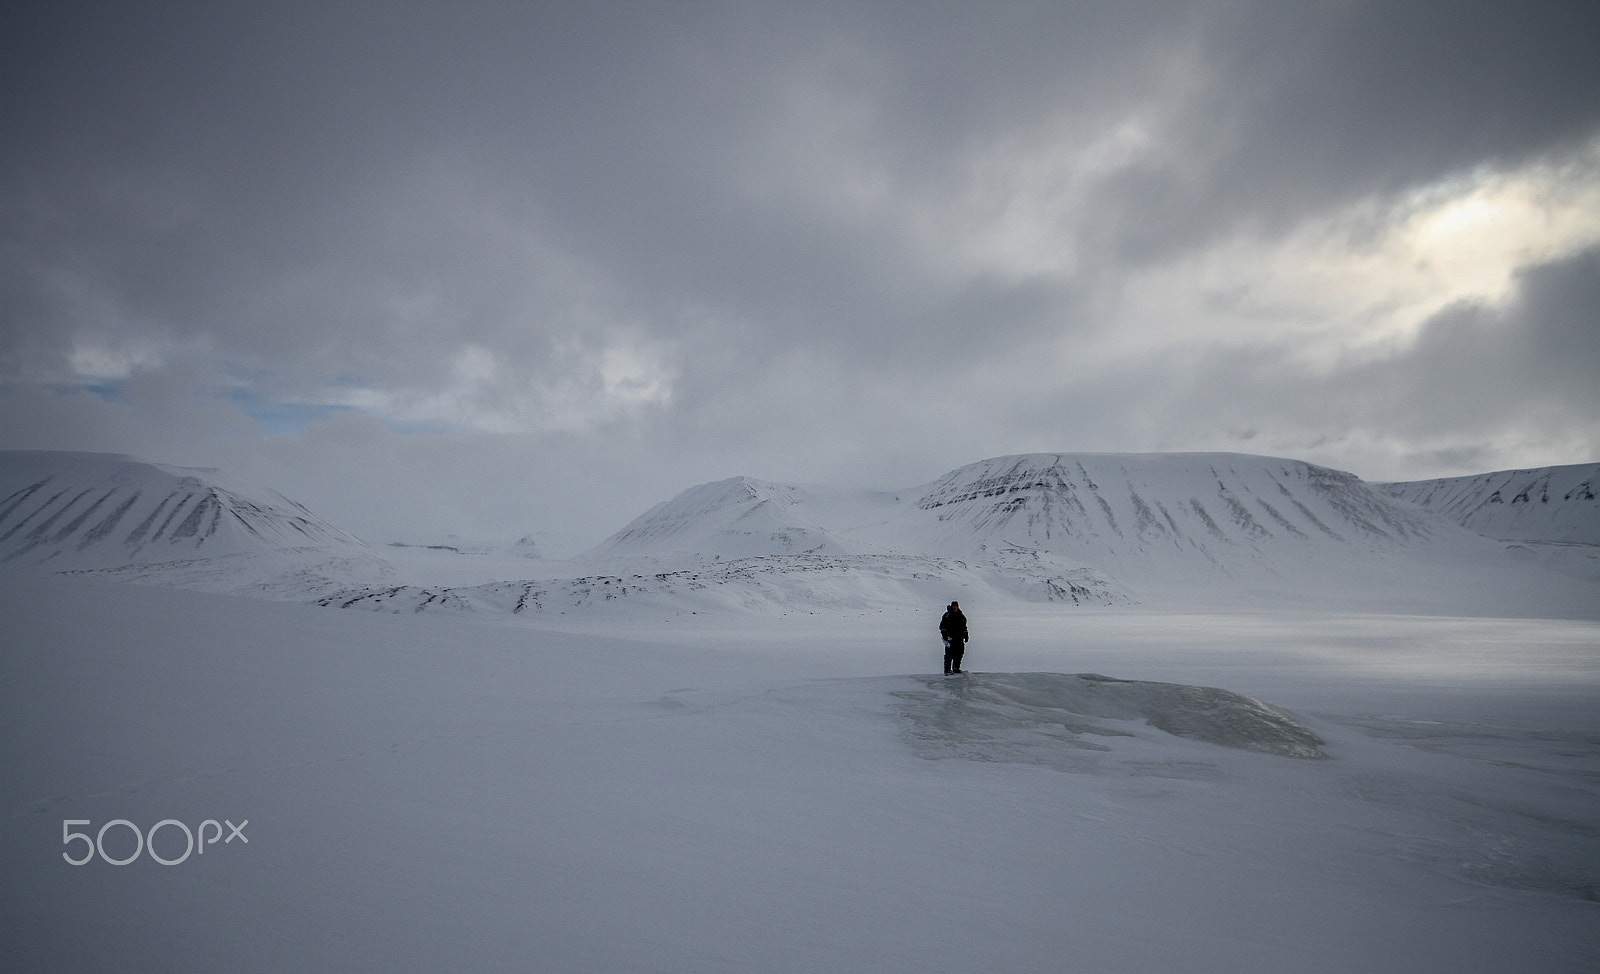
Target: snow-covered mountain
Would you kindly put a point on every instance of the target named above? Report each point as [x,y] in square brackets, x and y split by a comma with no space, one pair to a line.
[1096,529]
[1184,512]
[1220,510]
[736,518]
[1549,515]
[1084,529]
[117,515]
[1081,527]
[1543,504]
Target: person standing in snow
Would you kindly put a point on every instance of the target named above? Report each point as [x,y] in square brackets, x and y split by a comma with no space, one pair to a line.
[953,627]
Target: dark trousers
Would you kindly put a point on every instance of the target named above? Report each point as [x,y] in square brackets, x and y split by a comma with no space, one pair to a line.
[952,654]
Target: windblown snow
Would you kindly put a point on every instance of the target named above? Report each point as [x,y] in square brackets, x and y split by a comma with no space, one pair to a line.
[435,792]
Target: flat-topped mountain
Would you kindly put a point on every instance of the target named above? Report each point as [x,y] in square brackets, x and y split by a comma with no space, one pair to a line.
[1218,508]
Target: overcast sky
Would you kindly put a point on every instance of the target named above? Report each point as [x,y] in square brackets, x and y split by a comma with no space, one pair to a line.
[493,269]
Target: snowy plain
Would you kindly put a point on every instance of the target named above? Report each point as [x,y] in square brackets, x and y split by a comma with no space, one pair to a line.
[430,792]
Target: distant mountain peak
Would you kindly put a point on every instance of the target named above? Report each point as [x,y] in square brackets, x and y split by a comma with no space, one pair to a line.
[100,510]
[734,518]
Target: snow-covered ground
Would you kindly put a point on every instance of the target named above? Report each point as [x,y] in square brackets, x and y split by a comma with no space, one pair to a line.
[752,793]
[1228,713]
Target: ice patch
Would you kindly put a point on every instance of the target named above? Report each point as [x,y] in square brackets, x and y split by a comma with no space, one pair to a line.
[1053,718]
[1517,812]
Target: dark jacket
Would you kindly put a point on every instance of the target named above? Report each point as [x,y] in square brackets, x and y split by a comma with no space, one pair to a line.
[953,626]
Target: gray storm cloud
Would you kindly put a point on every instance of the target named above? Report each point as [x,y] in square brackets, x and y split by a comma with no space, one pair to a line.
[518,254]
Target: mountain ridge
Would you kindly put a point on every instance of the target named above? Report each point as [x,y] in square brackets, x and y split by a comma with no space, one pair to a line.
[1105,528]
[1191,529]
[1552,504]
[1204,508]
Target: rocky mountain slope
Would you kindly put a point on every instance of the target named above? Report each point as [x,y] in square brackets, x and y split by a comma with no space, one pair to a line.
[1547,515]
[1227,512]
[113,514]
[1555,504]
